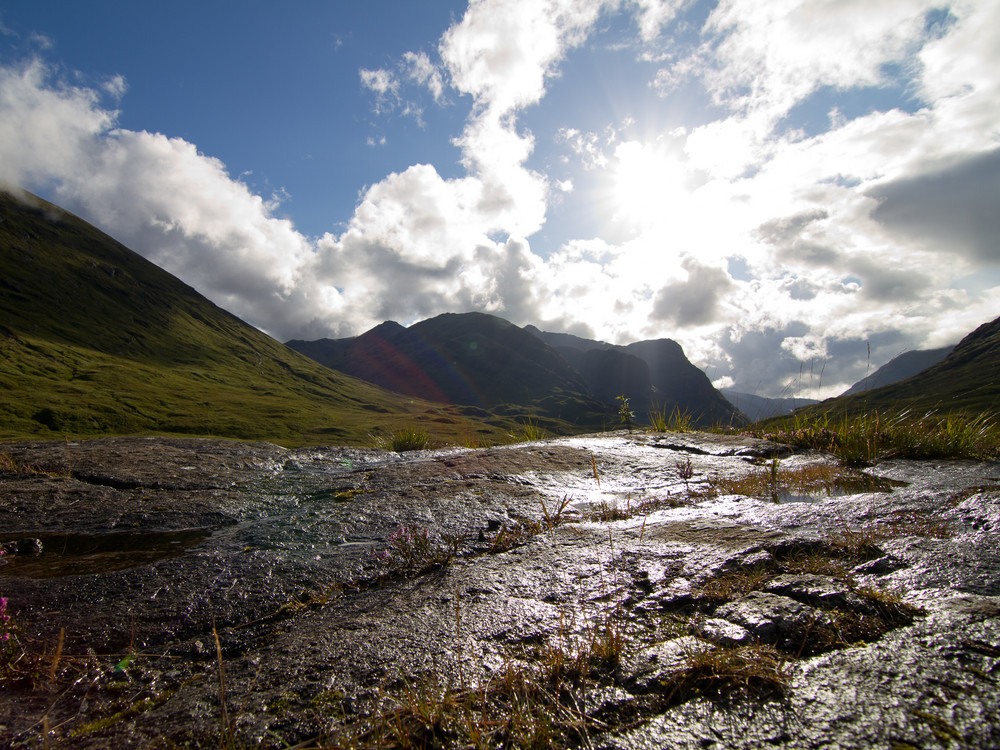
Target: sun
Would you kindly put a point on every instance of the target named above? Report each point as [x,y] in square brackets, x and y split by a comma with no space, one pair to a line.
[647,185]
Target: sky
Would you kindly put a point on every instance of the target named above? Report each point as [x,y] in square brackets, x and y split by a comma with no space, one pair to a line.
[796,191]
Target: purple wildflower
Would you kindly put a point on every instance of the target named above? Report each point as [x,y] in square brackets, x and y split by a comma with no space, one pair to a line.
[4,619]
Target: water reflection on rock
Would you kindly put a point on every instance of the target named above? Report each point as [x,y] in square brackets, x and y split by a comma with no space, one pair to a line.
[332,575]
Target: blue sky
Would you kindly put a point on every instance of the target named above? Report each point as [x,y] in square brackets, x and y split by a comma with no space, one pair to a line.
[782,187]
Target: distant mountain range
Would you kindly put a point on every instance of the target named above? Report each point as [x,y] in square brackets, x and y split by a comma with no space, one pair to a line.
[471,359]
[94,339]
[762,407]
[486,362]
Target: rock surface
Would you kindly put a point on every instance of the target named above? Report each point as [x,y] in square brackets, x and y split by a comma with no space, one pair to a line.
[327,583]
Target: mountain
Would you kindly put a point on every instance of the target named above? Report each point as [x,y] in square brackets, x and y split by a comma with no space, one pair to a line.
[470,359]
[610,373]
[905,365]
[489,363]
[667,383]
[967,380]
[761,407]
[94,339]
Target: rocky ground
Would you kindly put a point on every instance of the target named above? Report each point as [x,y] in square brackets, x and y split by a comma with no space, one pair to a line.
[607,591]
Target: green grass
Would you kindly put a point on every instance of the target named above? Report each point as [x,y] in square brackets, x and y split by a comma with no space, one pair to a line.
[874,436]
[95,340]
[529,431]
[678,420]
[404,439]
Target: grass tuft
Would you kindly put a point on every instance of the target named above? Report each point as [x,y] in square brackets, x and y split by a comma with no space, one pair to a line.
[529,432]
[403,439]
[678,420]
[866,438]
[735,583]
[756,672]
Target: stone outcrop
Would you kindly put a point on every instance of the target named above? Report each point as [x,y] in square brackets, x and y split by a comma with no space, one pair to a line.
[329,584]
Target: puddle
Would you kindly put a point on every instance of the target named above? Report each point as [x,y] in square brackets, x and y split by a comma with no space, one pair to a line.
[88,554]
[842,487]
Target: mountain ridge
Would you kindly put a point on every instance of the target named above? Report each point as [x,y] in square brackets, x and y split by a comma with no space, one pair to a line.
[900,367]
[480,360]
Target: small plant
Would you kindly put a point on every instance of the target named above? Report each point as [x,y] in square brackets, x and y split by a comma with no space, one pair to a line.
[11,464]
[402,440]
[677,421]
[752,671]
[413,548]
[734,584]
[658,418]
[530,432]
[606,512]
[685,471]
[4,618]
[515,534]
[680,421]
[625,415]
[552,520]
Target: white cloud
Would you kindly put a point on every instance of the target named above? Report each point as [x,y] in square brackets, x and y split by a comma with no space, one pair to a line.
[384,84]
[502,51]
[772,54]
[158,196]
[116,86]
[589,148]
[423,71]
[654,15]
[381,81]
[43,128]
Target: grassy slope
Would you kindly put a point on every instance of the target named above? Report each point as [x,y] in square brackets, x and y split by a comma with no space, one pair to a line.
[96,340]
[967,381]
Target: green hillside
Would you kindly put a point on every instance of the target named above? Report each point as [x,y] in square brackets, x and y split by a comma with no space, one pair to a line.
[96,340]
[966,381]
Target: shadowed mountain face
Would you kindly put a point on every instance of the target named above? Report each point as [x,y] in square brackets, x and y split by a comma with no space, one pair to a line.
[484,361]
[654,375]
[905,365]
[471,359]
[95,339]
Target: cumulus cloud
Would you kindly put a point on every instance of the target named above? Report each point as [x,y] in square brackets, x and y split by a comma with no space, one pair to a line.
[695,301]
[502,51]
[769,56]
[157,195]
[45,128]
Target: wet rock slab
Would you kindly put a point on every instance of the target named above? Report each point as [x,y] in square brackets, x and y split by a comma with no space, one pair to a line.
[301,573]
